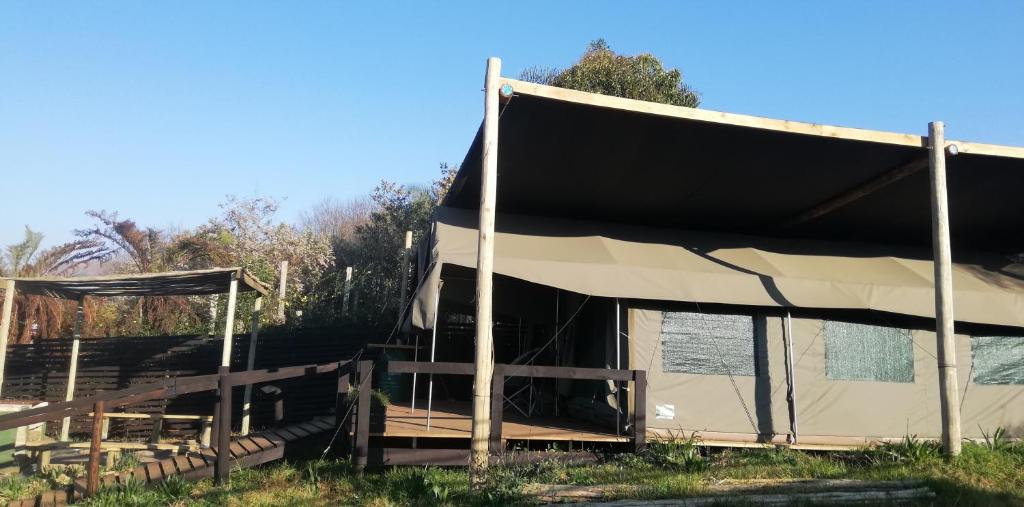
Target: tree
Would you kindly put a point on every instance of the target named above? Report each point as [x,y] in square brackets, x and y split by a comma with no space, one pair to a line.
[374,249]
[39,315]
[601,70]
[247,235]
[336,219]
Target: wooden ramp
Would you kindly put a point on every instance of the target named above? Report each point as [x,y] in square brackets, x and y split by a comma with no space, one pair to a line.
[248,451]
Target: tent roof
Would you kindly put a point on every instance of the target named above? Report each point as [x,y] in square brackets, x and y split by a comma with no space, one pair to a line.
[172,283]
[571,154]
[614,260]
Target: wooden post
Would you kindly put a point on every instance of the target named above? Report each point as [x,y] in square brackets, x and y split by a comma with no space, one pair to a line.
[484,361]
[5,327]
[251,362]
[346,291]
[497,405]
[341,404]
[365,385]
[222,469]
[403,272]
[282,291]
[76,339]
[93,471]
[949,396]
[229,322]
[639,409]
[214,301]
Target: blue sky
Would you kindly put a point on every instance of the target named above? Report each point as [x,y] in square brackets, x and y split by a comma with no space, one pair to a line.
[160,109]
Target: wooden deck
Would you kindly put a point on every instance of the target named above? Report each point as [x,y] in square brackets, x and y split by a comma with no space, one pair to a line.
[246,451]
[453,420]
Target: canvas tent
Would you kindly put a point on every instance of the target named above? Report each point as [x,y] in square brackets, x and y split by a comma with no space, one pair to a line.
[778,276]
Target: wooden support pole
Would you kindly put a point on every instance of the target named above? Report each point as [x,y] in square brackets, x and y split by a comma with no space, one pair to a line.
[364,383]
[214,302]
[341,411]
[222,469]
[93,471]
[484,361]
[229,322]
[251,362]
[639,410]
[403,272]
[76,341]
[5,327]
[497,406]
[949,396]
[282,291]
[346,291]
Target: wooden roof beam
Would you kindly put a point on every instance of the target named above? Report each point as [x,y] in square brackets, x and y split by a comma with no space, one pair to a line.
[856,193]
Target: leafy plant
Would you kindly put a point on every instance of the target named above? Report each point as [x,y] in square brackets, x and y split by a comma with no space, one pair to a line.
[174,489]
[676,453]
[997,440]
[132,493]
[911,450]
[125,462]
[435,487]
[13,487]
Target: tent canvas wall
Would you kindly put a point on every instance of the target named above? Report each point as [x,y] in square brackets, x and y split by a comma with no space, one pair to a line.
[851,386]
[758,280]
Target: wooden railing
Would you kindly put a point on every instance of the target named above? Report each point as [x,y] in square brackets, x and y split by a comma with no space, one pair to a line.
[223,381]
[501,371]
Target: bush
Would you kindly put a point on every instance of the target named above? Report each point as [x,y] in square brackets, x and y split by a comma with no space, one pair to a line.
[909,450]
[132,493]
[676,453]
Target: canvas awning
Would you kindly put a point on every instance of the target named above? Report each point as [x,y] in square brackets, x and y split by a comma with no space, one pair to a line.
[171,283]
[570,154]
[624,261]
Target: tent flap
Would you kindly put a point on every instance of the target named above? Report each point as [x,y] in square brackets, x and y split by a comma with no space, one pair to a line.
[614,260]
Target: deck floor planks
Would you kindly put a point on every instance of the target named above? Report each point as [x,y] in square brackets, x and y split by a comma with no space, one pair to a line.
[247,451]
[453,420]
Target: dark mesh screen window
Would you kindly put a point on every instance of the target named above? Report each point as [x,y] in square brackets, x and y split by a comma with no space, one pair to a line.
[866,352]
[998,360]
[707,343]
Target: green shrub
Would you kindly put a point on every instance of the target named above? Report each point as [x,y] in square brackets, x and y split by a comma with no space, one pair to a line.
[174,489]
[997,440]
[132,493]
[909,450]
[676,453]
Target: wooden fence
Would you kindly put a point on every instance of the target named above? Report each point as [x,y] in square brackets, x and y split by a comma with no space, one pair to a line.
[38,372]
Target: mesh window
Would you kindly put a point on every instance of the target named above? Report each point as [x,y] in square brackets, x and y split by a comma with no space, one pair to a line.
[708,344]
[865,352]
[998,359]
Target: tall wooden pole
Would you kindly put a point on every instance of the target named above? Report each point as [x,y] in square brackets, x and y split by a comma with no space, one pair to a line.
[346,291]
[484,274]
[282,290]
[5,326]
[403,272]
[229,322]
[949,396]
[92,480]
[254,335]
[76,340]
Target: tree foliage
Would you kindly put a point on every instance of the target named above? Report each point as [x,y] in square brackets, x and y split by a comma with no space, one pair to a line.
[601,70]
[38,315]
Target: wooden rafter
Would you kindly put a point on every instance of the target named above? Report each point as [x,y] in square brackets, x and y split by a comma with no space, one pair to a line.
[856,193]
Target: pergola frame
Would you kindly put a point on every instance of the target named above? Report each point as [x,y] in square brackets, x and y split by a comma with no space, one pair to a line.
[175,283]
[498,90]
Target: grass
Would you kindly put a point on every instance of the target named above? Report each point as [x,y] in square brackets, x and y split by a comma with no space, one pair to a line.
[983,475]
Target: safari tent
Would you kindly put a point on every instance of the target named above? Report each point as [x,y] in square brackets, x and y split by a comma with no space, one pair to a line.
[775,279]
